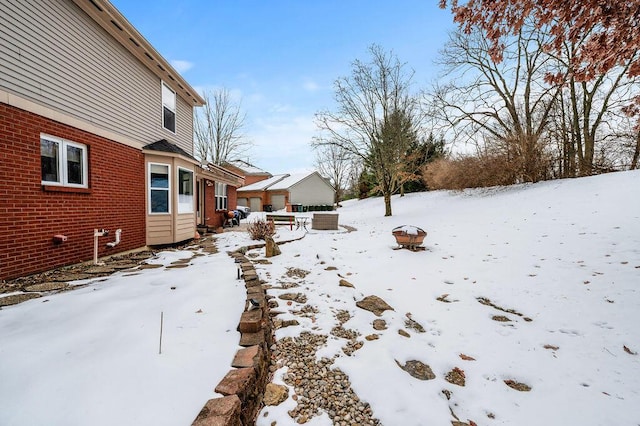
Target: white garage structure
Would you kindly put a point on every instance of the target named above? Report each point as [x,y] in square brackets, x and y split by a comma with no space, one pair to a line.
[283,191]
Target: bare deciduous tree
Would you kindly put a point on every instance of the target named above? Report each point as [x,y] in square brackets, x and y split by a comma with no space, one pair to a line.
[503,107]
[366,102]
[218,128]
[334,162]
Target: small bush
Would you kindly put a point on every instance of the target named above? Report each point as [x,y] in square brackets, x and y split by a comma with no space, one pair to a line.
[259,229]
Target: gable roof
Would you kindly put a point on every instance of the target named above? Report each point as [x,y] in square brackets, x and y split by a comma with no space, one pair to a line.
[113,22]
[247,168]
[290,181]
[263,185]
[281,182]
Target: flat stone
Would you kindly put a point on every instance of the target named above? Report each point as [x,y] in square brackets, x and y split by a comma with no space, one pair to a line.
[246,357]
[14,299]
[403,333]
[236,381]
[224,411]
[70,277]
[178,266]
[250,321]
[150,266]
[50,286]
[374,304]
[418,369]
[100,270]
[251,339]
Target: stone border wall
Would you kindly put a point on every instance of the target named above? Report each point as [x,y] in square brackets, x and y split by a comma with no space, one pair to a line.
[244,385]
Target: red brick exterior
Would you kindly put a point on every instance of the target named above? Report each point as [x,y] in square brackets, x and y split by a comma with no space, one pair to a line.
[30,214]
[215,218]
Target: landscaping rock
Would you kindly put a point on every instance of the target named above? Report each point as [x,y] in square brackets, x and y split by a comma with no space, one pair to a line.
[271,248]
[374,304]
[50,286]
[379,324]
[14,299]
[345,283]
[418,369]
[275,394]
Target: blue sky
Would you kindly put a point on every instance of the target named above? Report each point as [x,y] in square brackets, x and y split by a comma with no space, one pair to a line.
[281,57]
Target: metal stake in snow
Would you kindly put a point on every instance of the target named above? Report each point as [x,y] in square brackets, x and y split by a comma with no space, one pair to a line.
[161,321]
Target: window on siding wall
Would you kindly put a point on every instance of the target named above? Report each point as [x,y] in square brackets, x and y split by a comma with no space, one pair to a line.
[159,188]
[221,196]
[63,162]
[168,108]
[185,191]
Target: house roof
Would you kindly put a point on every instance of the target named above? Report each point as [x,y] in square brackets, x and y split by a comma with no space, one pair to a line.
[280,182]
[220,174]
[164,145]
[290,180]
[112,21]
[247,168]
[263,185]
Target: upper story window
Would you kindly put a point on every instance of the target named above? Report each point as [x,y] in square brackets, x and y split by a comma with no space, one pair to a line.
[159,188]
[221,196]
[63,162]
[185,190]
[168,108]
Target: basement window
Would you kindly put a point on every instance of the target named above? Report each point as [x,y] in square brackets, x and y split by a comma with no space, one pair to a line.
[63,162]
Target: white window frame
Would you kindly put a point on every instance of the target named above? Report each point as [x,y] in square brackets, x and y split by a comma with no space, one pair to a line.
[63,178]
[151,188]
[185,202]
[221,196]
[166,103]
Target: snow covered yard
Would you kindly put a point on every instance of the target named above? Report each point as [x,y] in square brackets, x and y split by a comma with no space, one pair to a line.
[537,285]
[91,356]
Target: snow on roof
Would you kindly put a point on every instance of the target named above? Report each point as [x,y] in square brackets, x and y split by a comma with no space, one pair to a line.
[290,180]
[263,184]
[248,168]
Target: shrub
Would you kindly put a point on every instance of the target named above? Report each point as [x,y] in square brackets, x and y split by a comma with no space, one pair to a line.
[259,229]
[469,172]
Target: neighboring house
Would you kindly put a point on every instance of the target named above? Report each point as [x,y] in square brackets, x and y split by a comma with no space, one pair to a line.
[251,173]
[96,131]
[284,191]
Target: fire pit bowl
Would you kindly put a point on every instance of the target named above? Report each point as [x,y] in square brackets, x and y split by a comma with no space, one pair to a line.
[408,236]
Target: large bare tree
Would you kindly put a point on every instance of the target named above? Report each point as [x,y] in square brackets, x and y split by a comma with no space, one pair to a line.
[606,33]
[367,101]
[502,107]
[218,128]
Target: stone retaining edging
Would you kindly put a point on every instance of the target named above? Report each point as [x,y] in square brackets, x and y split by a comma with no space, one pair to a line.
[244,385]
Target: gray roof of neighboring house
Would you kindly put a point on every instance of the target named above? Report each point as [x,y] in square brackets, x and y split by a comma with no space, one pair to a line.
[248,168]
[263,184]
[290,180]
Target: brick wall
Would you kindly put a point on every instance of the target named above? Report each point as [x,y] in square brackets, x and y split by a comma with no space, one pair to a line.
[30,215]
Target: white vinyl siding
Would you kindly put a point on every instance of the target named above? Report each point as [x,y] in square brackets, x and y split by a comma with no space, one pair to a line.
[54,54]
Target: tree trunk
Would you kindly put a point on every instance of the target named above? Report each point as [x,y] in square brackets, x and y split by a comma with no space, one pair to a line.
[387,203]
[636,154]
